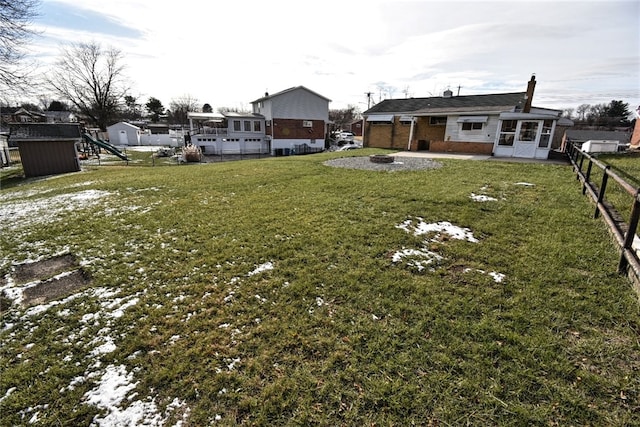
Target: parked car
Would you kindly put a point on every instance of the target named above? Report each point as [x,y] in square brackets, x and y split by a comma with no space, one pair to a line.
[343,135]
[350,146]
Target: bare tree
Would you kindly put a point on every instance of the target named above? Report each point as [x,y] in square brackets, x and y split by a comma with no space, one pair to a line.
[342,118]
[16,17]
[181,106]
[92,79]
[582,111]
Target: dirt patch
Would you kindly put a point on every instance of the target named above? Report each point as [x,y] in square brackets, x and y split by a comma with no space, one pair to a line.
[41,270]
[54,288]
[50,279]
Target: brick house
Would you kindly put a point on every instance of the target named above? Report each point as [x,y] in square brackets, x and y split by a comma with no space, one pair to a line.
[502,124]
[295,120]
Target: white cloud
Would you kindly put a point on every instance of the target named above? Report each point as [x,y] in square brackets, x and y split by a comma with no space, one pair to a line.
[229,53]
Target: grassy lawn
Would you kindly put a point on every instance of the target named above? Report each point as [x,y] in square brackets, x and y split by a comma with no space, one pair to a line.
[282,291]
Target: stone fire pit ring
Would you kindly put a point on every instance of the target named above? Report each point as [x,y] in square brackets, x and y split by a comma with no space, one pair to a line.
[381,158]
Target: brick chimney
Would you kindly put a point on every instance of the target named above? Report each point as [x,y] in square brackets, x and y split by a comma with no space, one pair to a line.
[529,96]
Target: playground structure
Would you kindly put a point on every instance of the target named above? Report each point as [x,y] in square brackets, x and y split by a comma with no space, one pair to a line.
[98,144]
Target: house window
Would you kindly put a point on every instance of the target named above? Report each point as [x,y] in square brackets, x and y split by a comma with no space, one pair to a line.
[507,132]
[438,121]
[528,131]
[247,125]
[472,126]
[257,127]
[236,125]
[547,128]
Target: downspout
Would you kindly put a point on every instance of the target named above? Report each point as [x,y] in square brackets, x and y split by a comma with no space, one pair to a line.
[413,122]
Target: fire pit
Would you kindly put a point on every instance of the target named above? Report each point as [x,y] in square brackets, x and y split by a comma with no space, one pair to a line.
[380,158]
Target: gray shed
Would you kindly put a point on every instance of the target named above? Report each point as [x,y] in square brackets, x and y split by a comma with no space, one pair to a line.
[47,149]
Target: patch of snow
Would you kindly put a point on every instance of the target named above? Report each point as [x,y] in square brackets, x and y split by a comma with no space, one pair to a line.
[481,198]
[442,227]
[107,347]
[262,267]
[498,277]
[525,184]
[113,388]
[418,258]
[231,366]
[7,394]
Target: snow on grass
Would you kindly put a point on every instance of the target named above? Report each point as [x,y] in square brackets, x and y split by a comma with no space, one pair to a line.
[525,184]
[117,386]
[419,259]
[21,214]
[482,198]
[439,228]
[262,267]
[497,277]
[423,258]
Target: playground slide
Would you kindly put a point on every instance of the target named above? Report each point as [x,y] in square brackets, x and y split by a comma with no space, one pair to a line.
[102,144]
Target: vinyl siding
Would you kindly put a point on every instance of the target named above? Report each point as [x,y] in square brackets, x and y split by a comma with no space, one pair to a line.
[299,104]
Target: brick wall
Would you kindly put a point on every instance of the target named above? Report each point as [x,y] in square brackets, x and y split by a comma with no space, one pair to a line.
[293,129]
[461,147]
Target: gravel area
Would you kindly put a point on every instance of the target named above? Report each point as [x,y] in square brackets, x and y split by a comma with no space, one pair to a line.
[399,164]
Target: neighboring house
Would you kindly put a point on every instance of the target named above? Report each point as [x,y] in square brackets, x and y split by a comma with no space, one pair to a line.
[635,137]
[295,120]
[60,117]
[503,124]
[23,116]
[123,133]
[356,127]
[228,133]
[578,136]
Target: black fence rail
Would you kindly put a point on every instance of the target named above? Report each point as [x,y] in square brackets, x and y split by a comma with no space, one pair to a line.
[624,233]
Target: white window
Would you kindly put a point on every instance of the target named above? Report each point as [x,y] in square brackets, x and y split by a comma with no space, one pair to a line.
[528,131]
[472,126]
[507,132]
[547,129]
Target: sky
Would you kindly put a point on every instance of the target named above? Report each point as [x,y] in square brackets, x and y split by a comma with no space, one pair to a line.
[228,54]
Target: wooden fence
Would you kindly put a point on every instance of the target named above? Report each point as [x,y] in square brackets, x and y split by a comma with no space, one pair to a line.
[624,233]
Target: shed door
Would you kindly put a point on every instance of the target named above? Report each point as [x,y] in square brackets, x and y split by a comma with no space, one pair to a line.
[124,140]
[526,138]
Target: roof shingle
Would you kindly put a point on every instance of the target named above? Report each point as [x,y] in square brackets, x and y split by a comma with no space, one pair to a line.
[454,103]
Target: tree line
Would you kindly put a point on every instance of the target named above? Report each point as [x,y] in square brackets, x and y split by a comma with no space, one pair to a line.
[87,78]
[615,114]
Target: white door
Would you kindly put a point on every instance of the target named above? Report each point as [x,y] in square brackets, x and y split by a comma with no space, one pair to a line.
[526,138]
[124,140]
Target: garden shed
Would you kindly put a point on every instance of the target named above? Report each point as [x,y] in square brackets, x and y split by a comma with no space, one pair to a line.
[123,133]
[47,149]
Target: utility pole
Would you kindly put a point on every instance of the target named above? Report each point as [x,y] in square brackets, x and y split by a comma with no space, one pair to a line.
[459,87]
[368,99]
